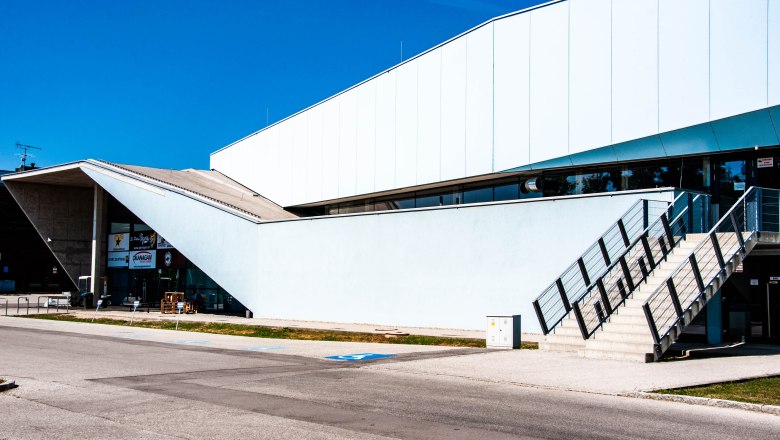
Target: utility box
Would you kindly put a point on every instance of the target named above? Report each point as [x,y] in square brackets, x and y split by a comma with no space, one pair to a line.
[503,331]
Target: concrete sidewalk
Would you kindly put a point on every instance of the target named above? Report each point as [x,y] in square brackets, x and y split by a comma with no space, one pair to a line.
[125,313]
[533,368]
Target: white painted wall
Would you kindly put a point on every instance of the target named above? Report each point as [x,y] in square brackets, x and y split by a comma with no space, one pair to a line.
[442,267]
[560,79]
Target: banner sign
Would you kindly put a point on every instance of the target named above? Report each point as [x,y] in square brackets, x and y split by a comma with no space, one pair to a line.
[143,259]
[119,242]
[142,241]
[171,259]
[118,259]
[163,243]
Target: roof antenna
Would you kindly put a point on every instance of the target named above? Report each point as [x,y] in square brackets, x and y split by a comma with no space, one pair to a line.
[25,154]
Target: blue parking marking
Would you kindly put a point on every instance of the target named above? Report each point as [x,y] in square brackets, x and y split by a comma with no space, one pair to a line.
[192,342]
[359,357]
[275,347]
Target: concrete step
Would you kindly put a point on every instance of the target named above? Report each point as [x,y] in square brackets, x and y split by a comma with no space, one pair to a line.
[567,331]
[618,327]
[574,348]
[620,346]
[630,311]
[635,337]
[616,355]
[635,320]
[566,340]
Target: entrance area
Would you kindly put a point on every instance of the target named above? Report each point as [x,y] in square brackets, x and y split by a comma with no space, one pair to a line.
[141,265]
[751,301]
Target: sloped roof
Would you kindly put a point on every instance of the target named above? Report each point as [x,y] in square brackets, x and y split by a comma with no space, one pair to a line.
[216,187]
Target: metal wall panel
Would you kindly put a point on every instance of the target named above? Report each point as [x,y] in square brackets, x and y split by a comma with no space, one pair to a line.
[330,149]
[590,82]
[774,52]
[300,146]
[634,69]
[683,64]
[479,101]
[366,137]
[314,156]
[283,178]
[511,45]
[738,48]
[270,167]
[549,82]
[347,143]
[453,109]
[406,125]
[429,117]
[385,131]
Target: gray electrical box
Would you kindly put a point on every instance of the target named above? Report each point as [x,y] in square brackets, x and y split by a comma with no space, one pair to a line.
[503,331]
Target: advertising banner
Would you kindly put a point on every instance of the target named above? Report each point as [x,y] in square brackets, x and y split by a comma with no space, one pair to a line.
[118,259]
[142,241]
[143,259]
[118,242]
[163,243]
[171,259]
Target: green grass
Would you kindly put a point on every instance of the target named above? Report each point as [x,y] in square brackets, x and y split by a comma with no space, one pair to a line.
[282,332]
[763,391]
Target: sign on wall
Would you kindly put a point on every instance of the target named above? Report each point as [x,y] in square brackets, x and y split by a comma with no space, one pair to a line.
[765,162]
[118,259]
[141,241]
[143,259]
[163,243]
[118,242]
[170,259]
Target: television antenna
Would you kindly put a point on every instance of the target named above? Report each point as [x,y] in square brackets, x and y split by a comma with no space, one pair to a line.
[24,155]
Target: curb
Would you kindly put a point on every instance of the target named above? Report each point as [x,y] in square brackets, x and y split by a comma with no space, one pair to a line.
[705,401]
[7,385]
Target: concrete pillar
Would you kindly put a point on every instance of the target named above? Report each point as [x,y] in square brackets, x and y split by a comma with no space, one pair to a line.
[715,319]
[98,249]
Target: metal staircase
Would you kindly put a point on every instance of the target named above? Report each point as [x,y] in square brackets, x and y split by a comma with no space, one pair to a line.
[694,281]
[576,304]
[686,269]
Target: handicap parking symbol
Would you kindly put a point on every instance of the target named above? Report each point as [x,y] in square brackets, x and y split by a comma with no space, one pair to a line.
[359,357]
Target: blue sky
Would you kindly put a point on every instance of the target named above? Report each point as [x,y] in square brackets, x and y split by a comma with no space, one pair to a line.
[164,83]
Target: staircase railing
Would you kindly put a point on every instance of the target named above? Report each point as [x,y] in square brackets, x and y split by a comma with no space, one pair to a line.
[676,302]
[689,213]
[556,300]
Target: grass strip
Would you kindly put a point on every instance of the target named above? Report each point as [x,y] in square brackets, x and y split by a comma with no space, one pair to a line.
[257,331]
[762,391]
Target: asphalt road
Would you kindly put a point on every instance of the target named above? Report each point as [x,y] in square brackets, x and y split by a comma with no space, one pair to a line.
[79,386]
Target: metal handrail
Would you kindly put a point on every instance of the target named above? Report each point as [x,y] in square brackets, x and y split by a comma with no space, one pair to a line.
[709,259]
[555,299]
[6,305]
[641,259]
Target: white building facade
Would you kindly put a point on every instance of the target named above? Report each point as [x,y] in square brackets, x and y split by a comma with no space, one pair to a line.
[461,182]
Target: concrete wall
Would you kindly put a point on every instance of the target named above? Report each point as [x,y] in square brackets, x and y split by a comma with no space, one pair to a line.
[64,215]
[561,79]
[441,267]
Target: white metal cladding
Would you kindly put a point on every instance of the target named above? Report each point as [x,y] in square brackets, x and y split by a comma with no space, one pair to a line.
[559,79]
[421,267]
